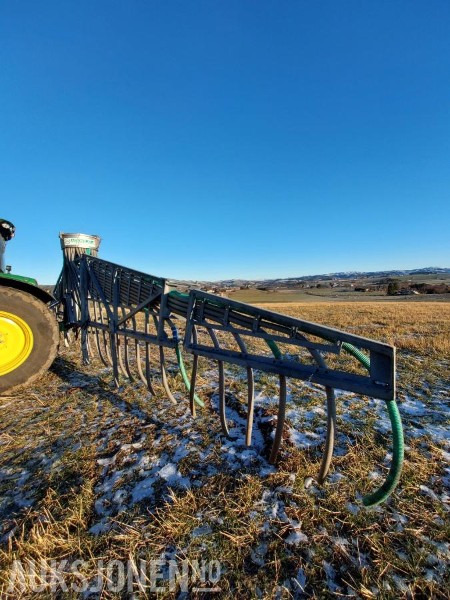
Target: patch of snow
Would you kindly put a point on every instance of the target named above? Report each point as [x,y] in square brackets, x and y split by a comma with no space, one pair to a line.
[201,531]
[330,574]
[257,555]
[300,580]
[308,439]
[144,489]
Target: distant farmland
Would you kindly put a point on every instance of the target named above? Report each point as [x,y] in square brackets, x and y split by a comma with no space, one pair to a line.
[314,295]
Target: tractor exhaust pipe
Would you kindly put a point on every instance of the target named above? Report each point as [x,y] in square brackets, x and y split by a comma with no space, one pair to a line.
[7,231]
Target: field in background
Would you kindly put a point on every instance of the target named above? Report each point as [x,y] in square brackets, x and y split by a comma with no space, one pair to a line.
[314,295]
[89,472]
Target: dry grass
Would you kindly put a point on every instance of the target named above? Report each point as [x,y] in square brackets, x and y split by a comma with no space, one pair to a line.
[71,445]
[420,327]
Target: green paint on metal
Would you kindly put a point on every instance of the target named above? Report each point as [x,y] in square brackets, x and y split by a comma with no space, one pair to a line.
[22,278]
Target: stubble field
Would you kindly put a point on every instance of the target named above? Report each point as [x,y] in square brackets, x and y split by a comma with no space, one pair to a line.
[91,473]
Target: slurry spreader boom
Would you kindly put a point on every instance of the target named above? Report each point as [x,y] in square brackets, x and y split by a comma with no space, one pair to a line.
[122,313]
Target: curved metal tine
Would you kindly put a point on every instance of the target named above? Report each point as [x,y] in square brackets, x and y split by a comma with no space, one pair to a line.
[89,335]
[90,344]
[162,364]
[250,405]
[147,357]
[250,392]
[193,374]
[329,442]
[121,365]
[108,349]
[331,421]
[114,353]
[97,338]
[106,342]
[85,346]
[125,351]
[280,421]
[137,348]
[223,417]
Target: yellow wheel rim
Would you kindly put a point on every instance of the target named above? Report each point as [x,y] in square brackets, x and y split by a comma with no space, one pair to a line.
[16,342]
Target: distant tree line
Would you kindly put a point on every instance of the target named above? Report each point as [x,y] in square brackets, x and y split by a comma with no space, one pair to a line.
[395,286]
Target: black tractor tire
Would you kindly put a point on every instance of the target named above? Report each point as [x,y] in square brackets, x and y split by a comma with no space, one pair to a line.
[44,327]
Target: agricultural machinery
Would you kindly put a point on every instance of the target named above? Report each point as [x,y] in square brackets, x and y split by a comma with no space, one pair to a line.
[121,314]
[29,333]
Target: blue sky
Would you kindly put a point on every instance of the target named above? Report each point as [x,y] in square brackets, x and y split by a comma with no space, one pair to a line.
[213,139]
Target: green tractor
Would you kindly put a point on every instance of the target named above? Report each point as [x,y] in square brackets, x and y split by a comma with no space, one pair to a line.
[29,333]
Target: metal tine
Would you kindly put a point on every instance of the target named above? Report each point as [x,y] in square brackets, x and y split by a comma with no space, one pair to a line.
[180,361]
[138,361]
[125,351]
[107,337]
[331,421]
[223,417]
[280,421]
[113,337]
[113,341]
[121,364]
[250,405]
[118,346]
[147,357]
[85,345]
[250,392]
[162,364]
[97,339]
[331,432]
[90,344]
[106,342]
[91,333]
[193,374]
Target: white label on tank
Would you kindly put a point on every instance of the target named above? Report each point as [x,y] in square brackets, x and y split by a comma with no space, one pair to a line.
[79,242]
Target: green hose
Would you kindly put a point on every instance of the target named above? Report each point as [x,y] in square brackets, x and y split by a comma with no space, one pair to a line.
[393,477]
[187,383]
[398,452]
[180,362]
[275,350]
[363,359]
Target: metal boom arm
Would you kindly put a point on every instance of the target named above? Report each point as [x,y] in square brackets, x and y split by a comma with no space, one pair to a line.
[122,313]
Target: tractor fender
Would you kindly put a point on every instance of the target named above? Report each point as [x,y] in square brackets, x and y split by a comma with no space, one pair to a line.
[23,286]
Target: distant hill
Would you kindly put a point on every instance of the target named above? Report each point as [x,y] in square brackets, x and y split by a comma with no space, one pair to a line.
[340,275]
[292,281]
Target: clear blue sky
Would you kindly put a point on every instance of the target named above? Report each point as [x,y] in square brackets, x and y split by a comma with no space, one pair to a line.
[213,139]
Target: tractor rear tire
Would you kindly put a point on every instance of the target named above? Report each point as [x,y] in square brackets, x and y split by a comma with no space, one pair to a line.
[29,338]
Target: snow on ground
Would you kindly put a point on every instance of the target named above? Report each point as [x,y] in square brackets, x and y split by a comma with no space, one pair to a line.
[134,471]
[164,450]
